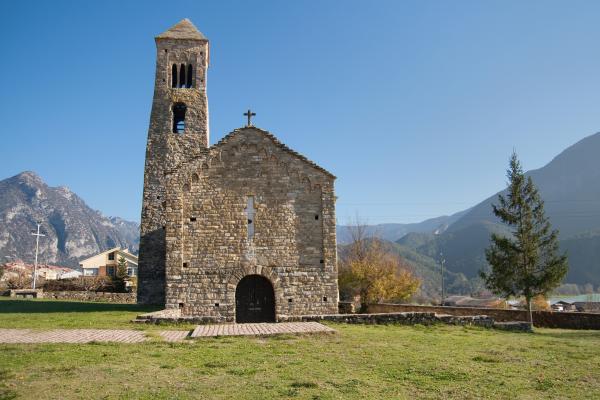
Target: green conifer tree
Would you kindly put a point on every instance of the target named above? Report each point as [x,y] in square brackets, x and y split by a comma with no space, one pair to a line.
[119,280]
[528,263]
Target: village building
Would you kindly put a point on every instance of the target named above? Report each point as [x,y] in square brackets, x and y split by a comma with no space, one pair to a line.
[576,305]
[20,269]
[562,305]
[107,262]
[243,230]
[53,272]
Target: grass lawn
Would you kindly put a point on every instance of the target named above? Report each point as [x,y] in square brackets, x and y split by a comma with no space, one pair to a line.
[438,362]
[52,314]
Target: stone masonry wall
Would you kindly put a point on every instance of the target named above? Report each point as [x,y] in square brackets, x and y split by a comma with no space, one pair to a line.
[294,245]
[166,150]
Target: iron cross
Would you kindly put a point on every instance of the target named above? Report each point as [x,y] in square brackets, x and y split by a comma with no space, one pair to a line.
[249,114]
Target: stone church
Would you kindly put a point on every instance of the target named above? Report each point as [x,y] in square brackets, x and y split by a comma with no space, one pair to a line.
[243,230]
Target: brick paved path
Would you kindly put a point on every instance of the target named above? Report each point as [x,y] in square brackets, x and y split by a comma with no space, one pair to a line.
[71,336]
[174,336]
[133,336]
[259,329]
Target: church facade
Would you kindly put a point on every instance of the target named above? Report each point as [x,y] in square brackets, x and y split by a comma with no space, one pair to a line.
[243,230]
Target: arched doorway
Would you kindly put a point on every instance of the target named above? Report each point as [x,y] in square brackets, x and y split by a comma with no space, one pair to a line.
[254,300]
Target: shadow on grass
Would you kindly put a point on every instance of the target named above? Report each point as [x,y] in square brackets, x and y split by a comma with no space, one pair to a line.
[61,306]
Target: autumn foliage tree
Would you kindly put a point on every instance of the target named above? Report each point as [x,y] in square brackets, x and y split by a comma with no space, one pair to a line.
[539,303]
[375,274]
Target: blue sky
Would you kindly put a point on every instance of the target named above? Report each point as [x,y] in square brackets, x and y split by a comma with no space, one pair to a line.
[414,105]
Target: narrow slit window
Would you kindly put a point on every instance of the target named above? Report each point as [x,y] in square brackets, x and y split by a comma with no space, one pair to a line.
[182,76]
[250,211]
[189,76]
[179,110]
[174,76]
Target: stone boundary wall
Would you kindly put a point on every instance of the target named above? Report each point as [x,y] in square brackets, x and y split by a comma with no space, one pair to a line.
[407,318]
[543,319]
[105,297]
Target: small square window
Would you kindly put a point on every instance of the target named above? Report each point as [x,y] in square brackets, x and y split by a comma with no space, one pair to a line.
[111,256]
[216,304]
[180,305]
[316,216]
[185,265]
[321,261]
[192,219]
[325,298]
[289,300]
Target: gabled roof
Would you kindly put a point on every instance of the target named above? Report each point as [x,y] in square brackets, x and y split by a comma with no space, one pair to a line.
[184,29]
[115,249]
[276,142]
[561,302]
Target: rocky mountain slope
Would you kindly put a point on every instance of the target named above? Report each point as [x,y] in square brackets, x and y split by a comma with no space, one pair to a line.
[73,230]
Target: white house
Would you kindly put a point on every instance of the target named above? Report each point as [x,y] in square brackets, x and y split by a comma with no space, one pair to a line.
[106,263]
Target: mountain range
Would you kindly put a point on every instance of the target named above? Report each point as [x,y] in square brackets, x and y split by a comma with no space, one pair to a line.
[570,187]
[72,229]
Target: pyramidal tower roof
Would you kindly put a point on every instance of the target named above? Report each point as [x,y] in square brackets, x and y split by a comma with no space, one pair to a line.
[184,29]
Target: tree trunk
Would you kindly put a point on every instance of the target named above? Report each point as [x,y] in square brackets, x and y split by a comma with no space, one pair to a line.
[364,305]
[530,312]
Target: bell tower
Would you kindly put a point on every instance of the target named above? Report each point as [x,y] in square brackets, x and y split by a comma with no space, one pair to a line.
[178,131]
